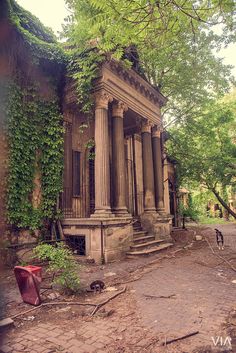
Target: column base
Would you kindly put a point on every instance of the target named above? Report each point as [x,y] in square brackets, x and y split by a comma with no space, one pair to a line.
[161,211]
[150,210]
[103,213]
[121,212]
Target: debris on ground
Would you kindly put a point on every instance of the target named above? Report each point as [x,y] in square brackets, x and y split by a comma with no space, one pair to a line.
[130,323]
[109,274]
[179,338]
[198,237]
[6,323]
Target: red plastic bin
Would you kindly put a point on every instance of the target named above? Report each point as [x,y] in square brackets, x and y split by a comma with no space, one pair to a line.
[29,279]
[36,270]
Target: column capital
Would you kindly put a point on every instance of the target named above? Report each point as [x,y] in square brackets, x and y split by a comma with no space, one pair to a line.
[146,126]
[67,125]
[118,109]
[102,98]
[156,131]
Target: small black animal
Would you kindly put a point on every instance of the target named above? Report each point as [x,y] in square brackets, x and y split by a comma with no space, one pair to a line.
[97,286]
[219,239]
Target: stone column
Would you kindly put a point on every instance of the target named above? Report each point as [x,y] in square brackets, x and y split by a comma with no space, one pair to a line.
[158,169]
[119,172]
[166,185]
[102,164]
[148,175]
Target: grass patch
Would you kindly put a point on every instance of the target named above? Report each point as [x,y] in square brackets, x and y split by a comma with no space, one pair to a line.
[212,220]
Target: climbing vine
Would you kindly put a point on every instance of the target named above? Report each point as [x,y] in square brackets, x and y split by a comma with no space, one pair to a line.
[84,68]
[35,135]
[40,40]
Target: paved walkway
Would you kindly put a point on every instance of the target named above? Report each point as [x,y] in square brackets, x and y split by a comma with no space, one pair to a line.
[201,295]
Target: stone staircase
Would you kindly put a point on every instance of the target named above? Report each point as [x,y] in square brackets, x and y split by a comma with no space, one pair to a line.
[144,243]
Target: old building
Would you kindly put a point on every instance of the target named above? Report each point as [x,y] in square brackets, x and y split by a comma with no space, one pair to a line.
[103,198]
[113,200]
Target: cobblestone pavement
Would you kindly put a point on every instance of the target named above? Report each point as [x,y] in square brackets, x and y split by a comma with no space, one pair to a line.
[192,291]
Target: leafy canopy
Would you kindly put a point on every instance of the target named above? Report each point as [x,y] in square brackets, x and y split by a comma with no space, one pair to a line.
[205,148]
[173,38]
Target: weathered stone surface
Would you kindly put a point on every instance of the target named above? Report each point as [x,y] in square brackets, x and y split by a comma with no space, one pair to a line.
[157,225]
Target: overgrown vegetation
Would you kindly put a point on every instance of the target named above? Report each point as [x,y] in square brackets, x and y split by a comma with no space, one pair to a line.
[61,264]
[172,43]
[169,41]
[40,40]
[33,121]
[35,135]
[205,150]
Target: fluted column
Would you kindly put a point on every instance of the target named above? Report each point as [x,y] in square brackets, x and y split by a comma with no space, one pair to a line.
[148,174]
[119,174]
[158,169]
[102,165]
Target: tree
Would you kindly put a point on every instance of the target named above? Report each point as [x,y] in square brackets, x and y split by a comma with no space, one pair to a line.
[173,38]
[205,149]
[171,42]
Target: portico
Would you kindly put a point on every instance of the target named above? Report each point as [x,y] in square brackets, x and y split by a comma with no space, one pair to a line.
[127,182]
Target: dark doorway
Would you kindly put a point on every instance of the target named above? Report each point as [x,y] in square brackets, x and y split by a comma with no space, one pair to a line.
[91,181]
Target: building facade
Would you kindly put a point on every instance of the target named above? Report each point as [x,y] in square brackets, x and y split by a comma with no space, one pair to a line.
[117,182]
[113,201]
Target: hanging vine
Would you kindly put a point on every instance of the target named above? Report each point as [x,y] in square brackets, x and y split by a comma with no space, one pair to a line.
[34,129]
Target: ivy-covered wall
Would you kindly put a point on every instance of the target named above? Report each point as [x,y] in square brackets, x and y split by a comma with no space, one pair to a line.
[35,141]
[31,140]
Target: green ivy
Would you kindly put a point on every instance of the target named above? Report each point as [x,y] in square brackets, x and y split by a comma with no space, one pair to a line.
[34,129]
[84,69]
[40,40]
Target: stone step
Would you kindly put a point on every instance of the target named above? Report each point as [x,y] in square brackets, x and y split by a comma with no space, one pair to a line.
[149,251]
[146,244]
[137,225]
[137,229]
[144,239]
[140,233]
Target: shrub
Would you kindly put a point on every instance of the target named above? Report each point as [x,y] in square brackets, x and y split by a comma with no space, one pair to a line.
[62,264]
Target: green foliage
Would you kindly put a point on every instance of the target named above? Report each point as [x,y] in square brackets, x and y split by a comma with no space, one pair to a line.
[190,210]
[35,136]
[61,263]
[212,220]
[90,145]
[34,124]
[51,156]
[174,41]
[39,39]
[205,149]
[200,199]
[84,69]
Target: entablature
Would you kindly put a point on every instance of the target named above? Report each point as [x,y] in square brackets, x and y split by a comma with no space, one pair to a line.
[127,86]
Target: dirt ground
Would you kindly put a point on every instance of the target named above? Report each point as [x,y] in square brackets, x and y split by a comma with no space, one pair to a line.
[185,289]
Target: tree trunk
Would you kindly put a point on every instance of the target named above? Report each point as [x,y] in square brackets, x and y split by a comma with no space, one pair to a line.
[223,203]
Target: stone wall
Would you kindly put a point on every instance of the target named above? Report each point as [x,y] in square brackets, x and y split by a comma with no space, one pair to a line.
[15,59]
[157,225]
[106,241]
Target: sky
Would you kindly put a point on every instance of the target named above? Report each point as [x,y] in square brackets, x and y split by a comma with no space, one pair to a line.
[52,14]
